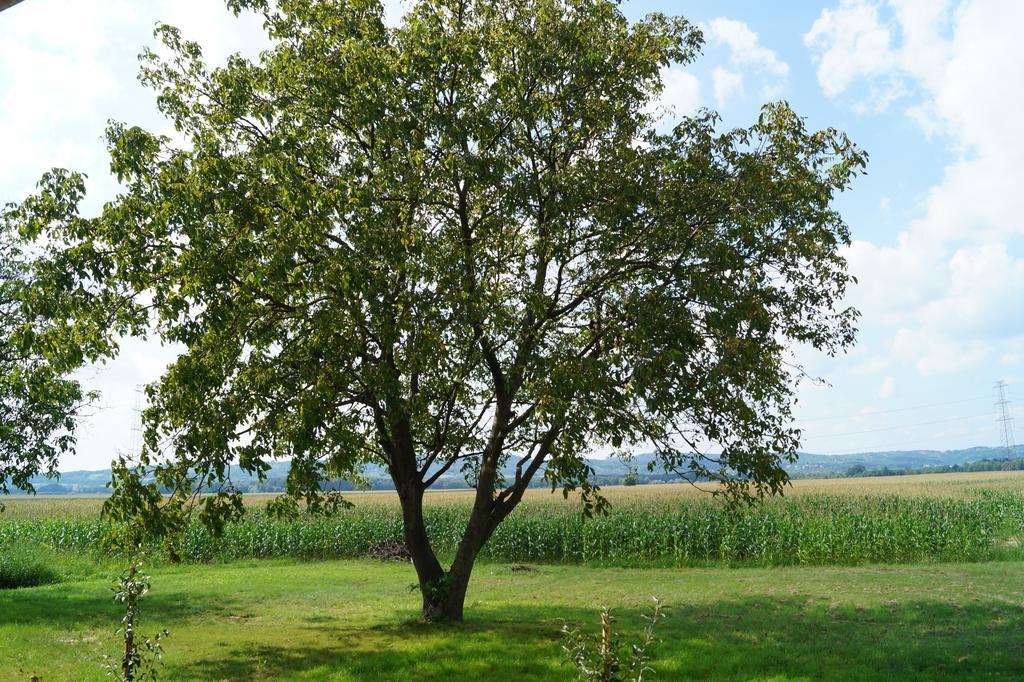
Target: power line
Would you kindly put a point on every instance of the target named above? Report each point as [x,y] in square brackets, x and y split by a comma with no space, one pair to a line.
[897,427]
[1004,419]
[888,446]
[898,409]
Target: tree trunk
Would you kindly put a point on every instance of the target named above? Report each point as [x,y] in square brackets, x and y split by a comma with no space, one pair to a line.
[444,592]
[447,602]
[429,573]
[444,599]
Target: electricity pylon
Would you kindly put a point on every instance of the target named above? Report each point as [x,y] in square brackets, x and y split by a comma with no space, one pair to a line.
[1005,420]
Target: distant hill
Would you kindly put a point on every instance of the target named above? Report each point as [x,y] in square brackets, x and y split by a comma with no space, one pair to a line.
[607,471]
[817,465]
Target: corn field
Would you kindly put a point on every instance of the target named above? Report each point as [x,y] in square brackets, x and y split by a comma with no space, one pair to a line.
[809,530]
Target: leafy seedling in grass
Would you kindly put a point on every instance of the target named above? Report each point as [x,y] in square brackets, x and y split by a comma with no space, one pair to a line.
[141,655]
[603,658]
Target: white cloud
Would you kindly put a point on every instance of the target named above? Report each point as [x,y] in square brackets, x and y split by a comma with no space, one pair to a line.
[73,67]
[746,56]
[726,83]
[950,283]
[983,298]
[394,10]
[853,42]
[872,365]
[54,71]
[681,93]
[218,31]
[924,50]
[745,48]
[932,352]
[887,388]
[895,280]
[1011,359]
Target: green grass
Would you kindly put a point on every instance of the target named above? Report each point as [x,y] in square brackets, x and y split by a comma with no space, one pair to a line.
[304,618]
[26,569]
[31,564]
[356,620]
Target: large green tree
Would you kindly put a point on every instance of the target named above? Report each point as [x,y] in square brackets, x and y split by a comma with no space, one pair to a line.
[459,243]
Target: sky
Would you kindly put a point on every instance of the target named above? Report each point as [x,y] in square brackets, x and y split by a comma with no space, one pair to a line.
[932,89]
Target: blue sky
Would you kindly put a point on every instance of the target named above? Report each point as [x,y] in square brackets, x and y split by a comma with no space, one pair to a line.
[931,88]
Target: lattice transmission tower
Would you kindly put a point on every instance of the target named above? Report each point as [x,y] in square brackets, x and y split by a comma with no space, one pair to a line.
[1004,419]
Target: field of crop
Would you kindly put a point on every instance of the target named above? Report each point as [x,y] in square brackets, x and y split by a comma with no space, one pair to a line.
[840,579]
[896,520]
[807,530]
[929,485]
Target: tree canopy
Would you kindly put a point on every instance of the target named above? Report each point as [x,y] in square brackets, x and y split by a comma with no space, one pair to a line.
[39,400]
[463,241]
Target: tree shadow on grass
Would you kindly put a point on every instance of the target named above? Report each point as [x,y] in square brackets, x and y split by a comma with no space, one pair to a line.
[758,638]
[91,604]
[520,650]
[943,636]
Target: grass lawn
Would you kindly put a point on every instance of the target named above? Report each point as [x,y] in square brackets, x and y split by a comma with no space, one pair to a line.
[356,620]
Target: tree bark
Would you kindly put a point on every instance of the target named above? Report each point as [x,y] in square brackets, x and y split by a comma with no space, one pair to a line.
[443,592]
[429,573]
[447,599]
